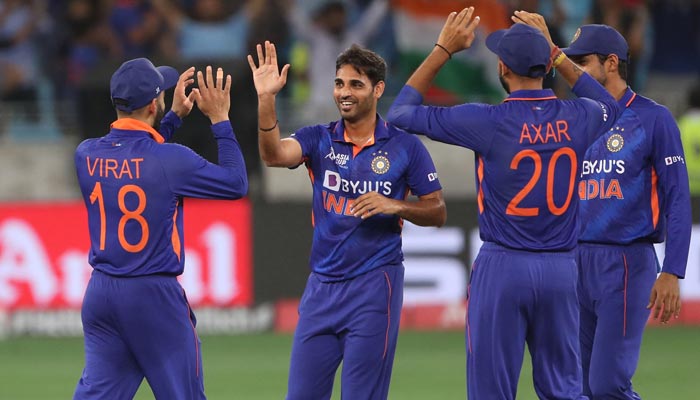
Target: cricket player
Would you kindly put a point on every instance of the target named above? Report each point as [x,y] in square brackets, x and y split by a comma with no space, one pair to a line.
[529,150]
[634,193]
[136,319]
[362,170]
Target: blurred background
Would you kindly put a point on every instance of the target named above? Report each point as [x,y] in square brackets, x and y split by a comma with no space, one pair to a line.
[247,261]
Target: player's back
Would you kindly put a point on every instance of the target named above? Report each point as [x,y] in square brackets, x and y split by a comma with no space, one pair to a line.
[133,214]
[527,175]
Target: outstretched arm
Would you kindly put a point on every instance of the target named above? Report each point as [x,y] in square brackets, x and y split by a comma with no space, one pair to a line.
[457,34]
[268,79]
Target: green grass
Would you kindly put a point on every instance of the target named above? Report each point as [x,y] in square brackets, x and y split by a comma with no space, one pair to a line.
[252,367]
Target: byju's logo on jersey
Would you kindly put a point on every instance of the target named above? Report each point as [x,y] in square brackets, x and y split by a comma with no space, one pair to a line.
[340,159]
[331,181]
[380,162]
[674,159]
[615,142]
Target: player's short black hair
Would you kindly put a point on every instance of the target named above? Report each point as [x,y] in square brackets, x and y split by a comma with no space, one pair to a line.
[364,61]
[621,65]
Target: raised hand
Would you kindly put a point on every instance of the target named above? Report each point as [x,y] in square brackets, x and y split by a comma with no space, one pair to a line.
[458,32]
[214,98]
[267,77]
[534,20]
[182,104]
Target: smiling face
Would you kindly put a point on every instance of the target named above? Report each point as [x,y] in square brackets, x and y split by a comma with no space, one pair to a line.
[354,94]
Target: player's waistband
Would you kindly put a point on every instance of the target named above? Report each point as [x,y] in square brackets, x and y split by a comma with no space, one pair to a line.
[636,244]
[495,247]
[98,272]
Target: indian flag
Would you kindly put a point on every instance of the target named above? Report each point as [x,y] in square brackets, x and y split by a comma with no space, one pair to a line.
[471,74]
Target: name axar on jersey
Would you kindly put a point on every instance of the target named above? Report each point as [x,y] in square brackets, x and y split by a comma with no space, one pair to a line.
[397,163]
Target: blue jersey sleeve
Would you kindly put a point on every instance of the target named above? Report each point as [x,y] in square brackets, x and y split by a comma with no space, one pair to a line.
[461,125]
[190,175]
[422,176]
[672,173]
[308,138]
[168,125]
[602,109]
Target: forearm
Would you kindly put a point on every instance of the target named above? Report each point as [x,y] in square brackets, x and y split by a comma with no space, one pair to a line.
[269,141]
[430,212]
[423,77]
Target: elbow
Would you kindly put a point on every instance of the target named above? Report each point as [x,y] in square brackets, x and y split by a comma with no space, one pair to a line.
[441,220]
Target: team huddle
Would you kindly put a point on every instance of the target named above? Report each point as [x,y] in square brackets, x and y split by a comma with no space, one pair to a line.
[572,194]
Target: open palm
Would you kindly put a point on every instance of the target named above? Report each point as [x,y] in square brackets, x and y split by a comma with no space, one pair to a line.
[267,77]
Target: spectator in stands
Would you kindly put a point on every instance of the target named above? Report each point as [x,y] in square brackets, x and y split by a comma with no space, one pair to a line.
[201,30]
[323,25]
[138,26]
[689,125]
[18,65]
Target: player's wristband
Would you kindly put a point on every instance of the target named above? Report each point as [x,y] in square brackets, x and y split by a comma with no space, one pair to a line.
[449,54]
[269,129]
[558,57]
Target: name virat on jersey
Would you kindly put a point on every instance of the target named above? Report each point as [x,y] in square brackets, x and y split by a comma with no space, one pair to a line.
[118,169]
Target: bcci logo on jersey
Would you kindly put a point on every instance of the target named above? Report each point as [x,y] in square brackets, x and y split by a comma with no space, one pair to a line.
[380,164]
[615,143]
[340,159]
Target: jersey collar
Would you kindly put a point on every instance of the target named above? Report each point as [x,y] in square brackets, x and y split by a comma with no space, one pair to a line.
[130,124]
[381,130]
[627,98]
[532,95]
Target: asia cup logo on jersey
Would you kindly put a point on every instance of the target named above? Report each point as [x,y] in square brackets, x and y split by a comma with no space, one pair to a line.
[340,159]
[615,142]
[380,162]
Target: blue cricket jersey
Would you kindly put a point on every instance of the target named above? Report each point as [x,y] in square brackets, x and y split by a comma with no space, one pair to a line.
[528,151]
[133,186]
[634,183]
[392,164]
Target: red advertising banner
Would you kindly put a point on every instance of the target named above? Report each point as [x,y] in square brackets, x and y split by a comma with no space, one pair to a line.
[44,246]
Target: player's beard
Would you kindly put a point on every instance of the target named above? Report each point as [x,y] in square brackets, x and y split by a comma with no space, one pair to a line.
[160,112]
[505,85]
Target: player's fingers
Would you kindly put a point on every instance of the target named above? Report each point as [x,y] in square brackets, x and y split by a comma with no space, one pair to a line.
[219,77]
[658,308]
[200,80]
[210,78]
[451,17]
[251,63]
[468,15]
[652,298]
[261,57]
[273,54]
[460,18]
[227,87]
[471,27]
[268,52]
[678,307]
[667,310]
[284,72]
[194,95]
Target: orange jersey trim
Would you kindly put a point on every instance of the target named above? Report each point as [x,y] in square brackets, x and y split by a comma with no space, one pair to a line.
[654,198]
[631,99]
[356,149]
[176,237]
[131,124]
[530,98]
[480,176]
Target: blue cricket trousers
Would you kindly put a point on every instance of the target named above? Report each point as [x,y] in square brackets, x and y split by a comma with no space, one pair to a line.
[134,328]
[355,321]
[518,297]
[614,288]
